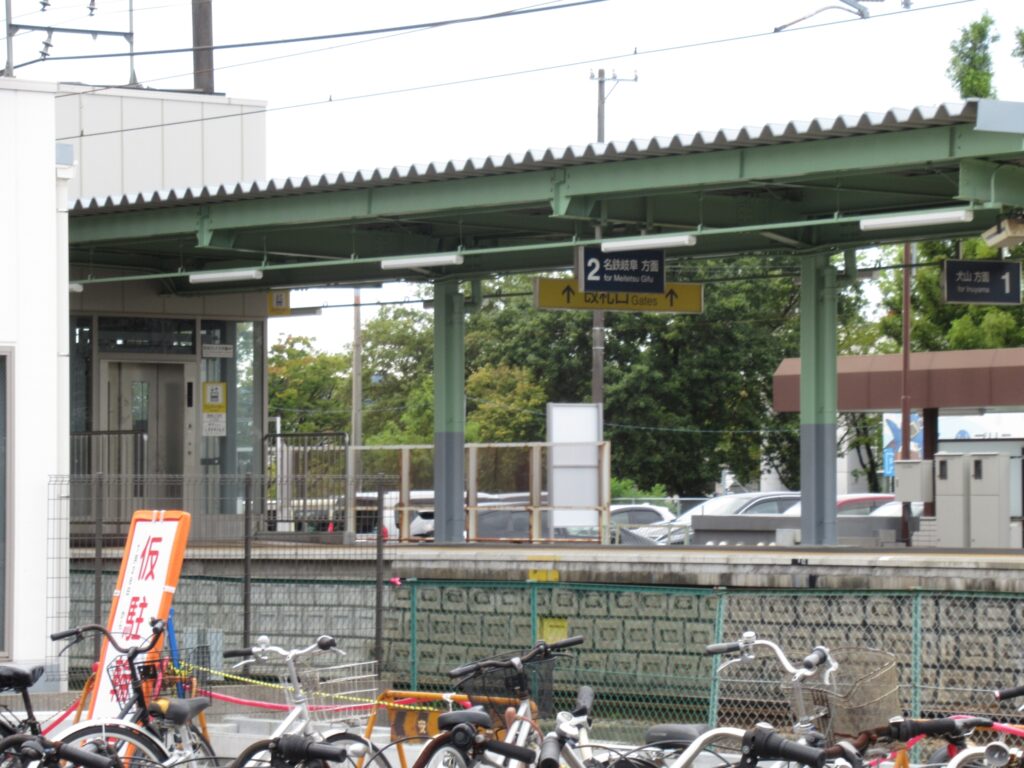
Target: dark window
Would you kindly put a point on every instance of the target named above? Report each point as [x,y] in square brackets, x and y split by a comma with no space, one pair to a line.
[147,334]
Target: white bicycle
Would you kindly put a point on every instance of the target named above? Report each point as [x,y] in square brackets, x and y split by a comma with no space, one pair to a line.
[304,717]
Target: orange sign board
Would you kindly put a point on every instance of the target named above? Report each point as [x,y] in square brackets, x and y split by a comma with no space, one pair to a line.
[150,568]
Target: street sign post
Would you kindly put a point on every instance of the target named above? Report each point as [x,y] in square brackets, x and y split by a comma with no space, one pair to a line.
[633,271]
[680,298]
[981,282]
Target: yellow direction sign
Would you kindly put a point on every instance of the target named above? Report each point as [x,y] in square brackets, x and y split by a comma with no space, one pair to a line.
[685,298]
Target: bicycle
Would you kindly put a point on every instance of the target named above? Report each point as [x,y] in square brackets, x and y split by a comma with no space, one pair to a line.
[502,689]
[302,716]
[158,731]
[20,749]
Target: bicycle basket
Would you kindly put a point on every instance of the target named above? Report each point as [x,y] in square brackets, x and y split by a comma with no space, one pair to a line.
[498,689]
[865,692]
[160,676]
[344,694]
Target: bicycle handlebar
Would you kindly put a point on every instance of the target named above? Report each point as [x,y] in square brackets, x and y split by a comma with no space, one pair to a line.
[750,640]
[1008,693]
[550,752]
[541,649]
[297,748]
[816,657]
[43,750]
[765,743]
[584,701]
[522,754]
[263,649]
[133,650]
[718,649]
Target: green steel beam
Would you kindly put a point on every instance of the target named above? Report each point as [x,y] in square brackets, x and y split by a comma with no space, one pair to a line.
[449,413]
[854,156]
[993,183]
[818,400]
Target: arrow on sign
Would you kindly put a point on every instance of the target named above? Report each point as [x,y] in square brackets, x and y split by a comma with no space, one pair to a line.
[550,293]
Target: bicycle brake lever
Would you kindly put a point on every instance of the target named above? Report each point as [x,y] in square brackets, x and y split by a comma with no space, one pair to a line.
[242,663]
[730,662]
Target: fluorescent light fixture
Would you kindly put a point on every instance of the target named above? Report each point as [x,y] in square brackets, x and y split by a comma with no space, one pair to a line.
[225,276]
[918,219]
[75,287]
[673,240]
[304,311]
[452,259]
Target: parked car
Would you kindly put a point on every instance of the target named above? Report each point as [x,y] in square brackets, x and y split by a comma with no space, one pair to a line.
[860,504]
[753,503]
[895,509]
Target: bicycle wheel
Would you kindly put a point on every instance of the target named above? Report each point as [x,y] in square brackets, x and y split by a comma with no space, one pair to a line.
[133,746]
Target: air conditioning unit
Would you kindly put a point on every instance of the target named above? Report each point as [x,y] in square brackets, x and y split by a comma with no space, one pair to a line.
[1006,234]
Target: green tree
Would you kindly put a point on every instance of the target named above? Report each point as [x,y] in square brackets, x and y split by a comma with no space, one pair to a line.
[689,395]
[306,387]
[505,405]
[397,361]
[971,66]
[552,347]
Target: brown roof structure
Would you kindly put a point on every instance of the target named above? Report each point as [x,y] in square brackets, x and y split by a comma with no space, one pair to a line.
[968,378]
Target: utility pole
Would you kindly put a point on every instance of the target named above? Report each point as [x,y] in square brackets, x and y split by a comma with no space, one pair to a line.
[202,45]
[597,333]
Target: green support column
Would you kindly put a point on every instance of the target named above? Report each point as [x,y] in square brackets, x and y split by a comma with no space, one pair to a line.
[817,400]
[449,413]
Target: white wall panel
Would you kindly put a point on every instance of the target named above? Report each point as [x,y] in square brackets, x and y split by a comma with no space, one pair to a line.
[254,144]
[32,282]
[141,145]
[183,136]
[101,163]
[193,153]
[222,143]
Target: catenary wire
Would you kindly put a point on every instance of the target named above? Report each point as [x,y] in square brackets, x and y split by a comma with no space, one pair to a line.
[516,73]
[267,59]
[316,38]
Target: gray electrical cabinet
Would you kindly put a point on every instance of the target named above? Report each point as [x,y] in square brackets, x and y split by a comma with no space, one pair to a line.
[952,502]
[994,488]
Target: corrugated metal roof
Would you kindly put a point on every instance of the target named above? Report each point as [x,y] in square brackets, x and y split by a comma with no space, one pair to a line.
[680,144]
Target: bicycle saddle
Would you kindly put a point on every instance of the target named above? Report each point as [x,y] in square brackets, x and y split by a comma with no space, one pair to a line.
[674,735]
[178,711]
[18,677]
[476,717]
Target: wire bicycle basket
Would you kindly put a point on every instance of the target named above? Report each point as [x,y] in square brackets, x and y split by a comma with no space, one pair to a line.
[161,675]
[497,689]
[865,692]
[343,694]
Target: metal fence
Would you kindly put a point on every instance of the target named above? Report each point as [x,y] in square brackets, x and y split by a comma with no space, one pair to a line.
[643,650]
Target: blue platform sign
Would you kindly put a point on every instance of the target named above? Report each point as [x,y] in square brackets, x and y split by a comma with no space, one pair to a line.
[889,462]
[628,271]
[981,282]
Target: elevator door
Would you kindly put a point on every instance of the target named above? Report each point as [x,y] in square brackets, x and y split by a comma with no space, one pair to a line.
[151,398]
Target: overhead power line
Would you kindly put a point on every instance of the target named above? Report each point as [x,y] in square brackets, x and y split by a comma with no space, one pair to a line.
[332,36]
[331,99]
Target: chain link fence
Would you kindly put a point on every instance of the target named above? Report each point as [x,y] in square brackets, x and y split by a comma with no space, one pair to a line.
[643,653]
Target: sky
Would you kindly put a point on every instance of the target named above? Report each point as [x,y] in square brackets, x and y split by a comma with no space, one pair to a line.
[511,84]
